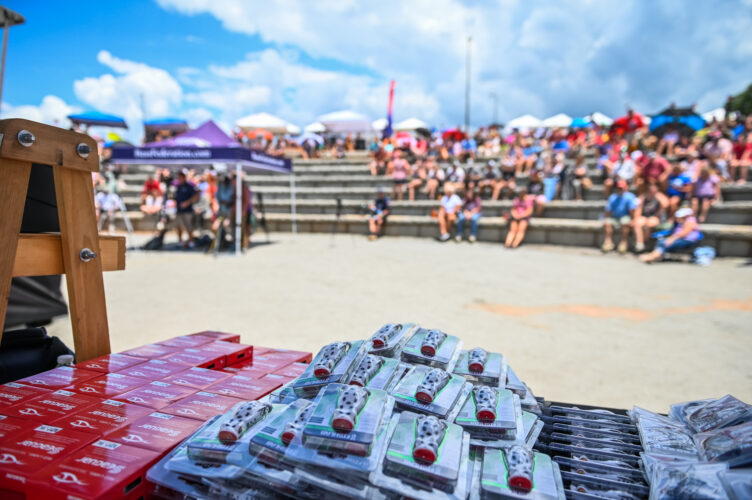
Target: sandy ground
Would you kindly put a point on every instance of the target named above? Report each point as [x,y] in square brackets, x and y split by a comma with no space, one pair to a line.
[577,326]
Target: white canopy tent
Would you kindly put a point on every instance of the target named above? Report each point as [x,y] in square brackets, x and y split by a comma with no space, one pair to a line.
[557,121]
[717,114]
[293,129]
[266,121]
[525,122]
[380,124]
[315,128]
[410,124]
[600,119]
[341,122]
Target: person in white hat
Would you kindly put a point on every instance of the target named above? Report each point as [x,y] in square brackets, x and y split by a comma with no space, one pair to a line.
[686,233]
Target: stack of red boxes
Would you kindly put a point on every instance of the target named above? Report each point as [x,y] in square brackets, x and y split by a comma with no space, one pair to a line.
[93,430]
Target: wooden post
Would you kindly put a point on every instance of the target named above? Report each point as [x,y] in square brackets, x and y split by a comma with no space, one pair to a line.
[76,251]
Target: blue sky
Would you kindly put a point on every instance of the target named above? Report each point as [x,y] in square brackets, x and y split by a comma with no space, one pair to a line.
[297,59]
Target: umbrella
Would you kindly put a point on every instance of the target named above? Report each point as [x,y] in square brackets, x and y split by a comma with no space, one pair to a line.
[404,139]
[259,132]
[525,122]
[600,119]
[309,136]
[315,128]
[581,122]
[557,121]
[411,124]
[167,123]
[626,123]
[264,121]
[98,119]
[341,122]
[684,120]
[454,134]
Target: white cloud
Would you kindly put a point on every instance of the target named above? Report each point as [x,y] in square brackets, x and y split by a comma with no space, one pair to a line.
[52,110]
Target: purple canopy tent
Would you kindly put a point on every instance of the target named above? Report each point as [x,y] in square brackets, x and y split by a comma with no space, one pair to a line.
[210,144]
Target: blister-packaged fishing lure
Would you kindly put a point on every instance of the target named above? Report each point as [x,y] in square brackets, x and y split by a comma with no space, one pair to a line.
[518,472]
[333,364]
[432,391]
[490,413]
[478,365]
[376,372]
[389,340]
[433,348]
[731,444]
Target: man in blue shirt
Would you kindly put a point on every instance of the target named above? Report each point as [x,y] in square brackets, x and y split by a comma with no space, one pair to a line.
[621,213]
[379,212]
[186,195]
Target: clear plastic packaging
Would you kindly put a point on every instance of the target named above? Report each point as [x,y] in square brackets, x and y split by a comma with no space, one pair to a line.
[738,483]
[598,483]
[334,364]
[659,434]
[376,372]
[514,383]
[495,478]
[680,411]
[270,443]
[731,444]
[489,368]
[723,412]
[389,340]
[698,481]
[432,391]
[433,348]
[502,425]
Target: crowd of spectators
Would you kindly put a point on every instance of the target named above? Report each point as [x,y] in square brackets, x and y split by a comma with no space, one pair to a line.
[648,179]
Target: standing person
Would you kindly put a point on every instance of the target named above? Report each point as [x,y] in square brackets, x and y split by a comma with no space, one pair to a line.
[621,213]
[450,206]
[400,171]
[186,195]
[686,232]
[471,210]
[522,210]
[706,192]
[652,211]
[417,178]
[379,212]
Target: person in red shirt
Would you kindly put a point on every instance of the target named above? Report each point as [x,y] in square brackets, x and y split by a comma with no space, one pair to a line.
[741,158]
[151,186]
[653,169]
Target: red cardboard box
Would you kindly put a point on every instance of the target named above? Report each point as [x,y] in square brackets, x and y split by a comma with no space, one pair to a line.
[30,451]
[59,377]
[243,387]
[271,362]
[12,426]
[294,370]
[258,350]
[273,377]
[201,406]
[198,357]
[225,337]
[156,394]
[110,363]
[294,356]
[51,406]
[154,369]
[108,385]
[238,367]
[151,351]
[198,378]
[234,352]
[156,431]
[14,393]
[104,470]
[105,416]
[186,341]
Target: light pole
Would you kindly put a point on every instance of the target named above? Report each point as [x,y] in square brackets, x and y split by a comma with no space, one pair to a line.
[495,99]
[467,85]
[8,18]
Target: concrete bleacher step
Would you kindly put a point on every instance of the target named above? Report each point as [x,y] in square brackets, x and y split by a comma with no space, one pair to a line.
[728,240]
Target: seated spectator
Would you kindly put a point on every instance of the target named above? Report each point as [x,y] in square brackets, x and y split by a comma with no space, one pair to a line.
[507,172]
[685,233]
[434,179]
[417,178]
[151,185]
[536,190]
[450,207]
[679,186]
[668,141]
[692,164]
[106,203]
[471,210]
[400,171]
[489,177]
[519,218]
[379,212]
[652,168]
[706,192]
[552,177]
[652,211]
[455,176]
[378,162]
[473,176]
[621,214]
[151,202]
[623,169]
[741,159]
[469,148]
[580,182]
[718,151]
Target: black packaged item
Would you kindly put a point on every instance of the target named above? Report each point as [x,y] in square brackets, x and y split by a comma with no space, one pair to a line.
[432,391]
[732,445]
[490,413]
[601,469]
[659,434]
[588,442]
[616,457]
[698,481]
[519,473]
[389,340]
[602,424]
[680,411]
[599,415]
[478,365]
[603,434]
[723,412]
[595,484]
[432,348]
[334,364]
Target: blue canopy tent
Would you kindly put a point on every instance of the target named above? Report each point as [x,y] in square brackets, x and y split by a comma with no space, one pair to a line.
[581,122]
[205,145]
[98,119]
[684,121]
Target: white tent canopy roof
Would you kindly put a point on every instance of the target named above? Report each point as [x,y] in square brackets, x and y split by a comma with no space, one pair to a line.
[315,128]
[380,124]
[346,121]
[411,124]
[558,120]
[526,122]
[293,129]
[719,114]
[266,121]
[600,119]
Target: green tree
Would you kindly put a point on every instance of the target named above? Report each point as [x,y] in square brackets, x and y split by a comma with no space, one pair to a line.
[742,102]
